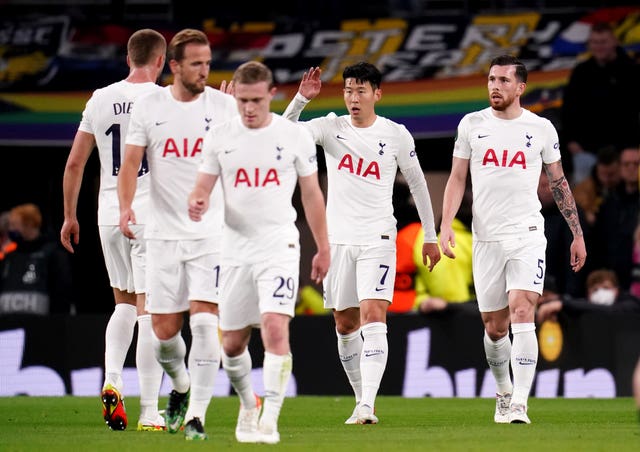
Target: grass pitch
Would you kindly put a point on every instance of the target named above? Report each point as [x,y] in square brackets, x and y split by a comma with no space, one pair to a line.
[51,424]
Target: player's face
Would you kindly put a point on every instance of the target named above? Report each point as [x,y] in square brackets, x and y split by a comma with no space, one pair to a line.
[503,86]
[193,71]
[254,103]
[360,99]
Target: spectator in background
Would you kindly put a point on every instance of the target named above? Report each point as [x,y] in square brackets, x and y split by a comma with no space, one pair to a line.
[36,277]
[617,220]
[559,238]
[601,102]
[418,289]
[604,176]
[6,244]
[603,292]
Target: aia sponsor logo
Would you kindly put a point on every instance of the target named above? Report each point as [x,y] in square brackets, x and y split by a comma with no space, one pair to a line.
[359,166]
[504,159]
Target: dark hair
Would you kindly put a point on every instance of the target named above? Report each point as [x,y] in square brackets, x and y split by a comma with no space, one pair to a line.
[607,155]
[180,41]
[510,60]
[363,72]
[145,45]
[602,27]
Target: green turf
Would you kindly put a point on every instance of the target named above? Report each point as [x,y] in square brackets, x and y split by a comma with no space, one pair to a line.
[51,424]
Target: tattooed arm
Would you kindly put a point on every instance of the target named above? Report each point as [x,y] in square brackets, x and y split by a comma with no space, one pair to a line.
[564,200]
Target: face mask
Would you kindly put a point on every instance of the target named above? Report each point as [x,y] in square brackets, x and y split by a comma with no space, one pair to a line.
[14,235]
[603,296]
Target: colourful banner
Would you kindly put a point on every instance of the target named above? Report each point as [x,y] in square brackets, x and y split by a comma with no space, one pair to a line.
[433,68]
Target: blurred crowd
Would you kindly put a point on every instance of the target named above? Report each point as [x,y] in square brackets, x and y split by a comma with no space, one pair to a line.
[600,132]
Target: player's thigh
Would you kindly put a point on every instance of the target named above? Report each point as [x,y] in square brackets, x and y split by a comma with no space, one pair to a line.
[339,285]
[489,276]
[526,264]
[116,249]
[277,283]
[376,271]
[166,280]
[239,303]
[202,269]
[138,255]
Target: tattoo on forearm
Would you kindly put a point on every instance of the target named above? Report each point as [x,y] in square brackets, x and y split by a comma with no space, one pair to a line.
[566,203]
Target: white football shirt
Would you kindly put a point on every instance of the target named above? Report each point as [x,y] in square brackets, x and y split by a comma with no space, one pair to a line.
[505,160]
[362,164]
[258,170]
[173,133]
[106,116]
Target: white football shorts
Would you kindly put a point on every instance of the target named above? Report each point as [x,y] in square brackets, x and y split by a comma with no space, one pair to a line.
[179,271]
[124,258]
[360,272]
[498,267]
[252,289]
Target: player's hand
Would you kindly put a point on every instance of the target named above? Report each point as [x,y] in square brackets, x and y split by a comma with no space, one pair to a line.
[447,241]
[70,232]
[320,266]
[227,88]
[197,207]
[578,253]
[127,217]
[430,255]
[311,83]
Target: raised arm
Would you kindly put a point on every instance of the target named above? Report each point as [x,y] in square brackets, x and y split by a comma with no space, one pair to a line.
[309,88]
[314,210]
[81,149]
[566,203]
[453,193]
[127,183]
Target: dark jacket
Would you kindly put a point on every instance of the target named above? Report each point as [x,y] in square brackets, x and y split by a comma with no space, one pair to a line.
[601,104]
[35,279]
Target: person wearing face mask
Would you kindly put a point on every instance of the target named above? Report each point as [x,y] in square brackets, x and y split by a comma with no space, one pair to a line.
[35,278]
[603,292]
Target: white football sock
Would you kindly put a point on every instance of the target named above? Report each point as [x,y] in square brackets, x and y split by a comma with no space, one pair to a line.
[149,369]
[498,357]
[524,359]
[238,370]
[204,362]
[373,362]
[276,371]
[118,336]
[170,353]
[349,350]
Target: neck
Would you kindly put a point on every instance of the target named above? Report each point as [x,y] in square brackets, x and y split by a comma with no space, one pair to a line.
[141,75]
[180,93]
[512,112]
[363,122]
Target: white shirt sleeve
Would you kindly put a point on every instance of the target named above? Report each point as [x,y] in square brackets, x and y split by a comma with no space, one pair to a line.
[295,107]
[420,192]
